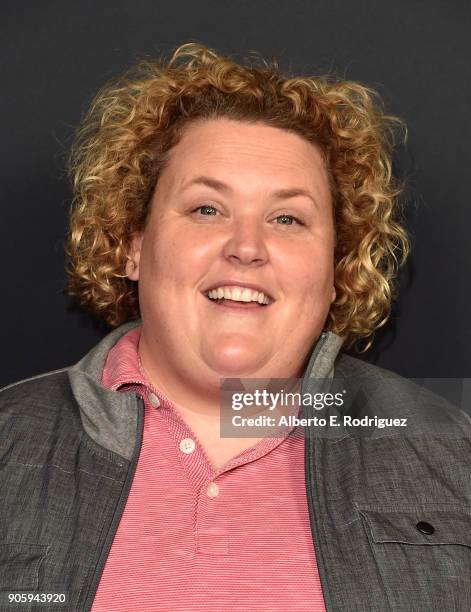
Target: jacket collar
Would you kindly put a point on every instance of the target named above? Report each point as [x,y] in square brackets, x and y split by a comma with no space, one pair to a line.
[110,417]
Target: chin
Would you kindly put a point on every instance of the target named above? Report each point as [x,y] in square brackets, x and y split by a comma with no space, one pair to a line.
[235,361]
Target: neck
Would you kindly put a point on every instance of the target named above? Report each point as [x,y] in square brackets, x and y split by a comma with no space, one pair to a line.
[191,397]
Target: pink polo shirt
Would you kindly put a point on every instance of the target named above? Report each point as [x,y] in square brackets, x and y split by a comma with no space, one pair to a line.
[193,538]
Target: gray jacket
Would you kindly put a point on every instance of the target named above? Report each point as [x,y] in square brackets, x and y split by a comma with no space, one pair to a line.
[390,507]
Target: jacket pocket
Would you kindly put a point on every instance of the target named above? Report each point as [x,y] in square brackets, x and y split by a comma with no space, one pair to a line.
[20,564]
[419,527]
[423,555]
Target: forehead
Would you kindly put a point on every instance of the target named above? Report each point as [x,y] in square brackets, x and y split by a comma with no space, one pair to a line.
[251,153]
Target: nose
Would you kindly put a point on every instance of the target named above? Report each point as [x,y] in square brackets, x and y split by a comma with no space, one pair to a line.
[246,243]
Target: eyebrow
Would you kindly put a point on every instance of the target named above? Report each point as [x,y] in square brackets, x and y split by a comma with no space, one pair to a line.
[224,188]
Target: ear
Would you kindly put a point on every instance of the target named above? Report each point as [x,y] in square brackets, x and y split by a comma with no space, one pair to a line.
[133,257]
[334,295]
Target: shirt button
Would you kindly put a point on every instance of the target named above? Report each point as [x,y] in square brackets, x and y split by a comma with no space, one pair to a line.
[212,490]
[425,528]
[187,446]
[154,400]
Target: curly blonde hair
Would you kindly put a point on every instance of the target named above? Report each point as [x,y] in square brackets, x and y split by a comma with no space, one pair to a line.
[123,143]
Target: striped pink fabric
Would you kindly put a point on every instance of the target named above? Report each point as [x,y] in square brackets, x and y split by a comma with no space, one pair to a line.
[192,538]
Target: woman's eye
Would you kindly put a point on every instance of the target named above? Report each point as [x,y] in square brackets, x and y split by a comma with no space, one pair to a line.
[206,210]
[288,220]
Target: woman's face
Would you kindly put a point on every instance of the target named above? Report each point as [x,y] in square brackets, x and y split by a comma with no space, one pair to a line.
[238,205]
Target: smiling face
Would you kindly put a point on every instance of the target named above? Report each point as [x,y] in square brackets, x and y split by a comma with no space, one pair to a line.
[237,205]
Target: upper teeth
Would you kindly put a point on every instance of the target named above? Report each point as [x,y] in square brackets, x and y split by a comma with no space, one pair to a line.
[238,294]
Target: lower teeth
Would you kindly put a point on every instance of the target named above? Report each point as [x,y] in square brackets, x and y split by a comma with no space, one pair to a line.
[222,300]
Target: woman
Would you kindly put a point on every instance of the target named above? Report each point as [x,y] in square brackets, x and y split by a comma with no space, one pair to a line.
[231,223]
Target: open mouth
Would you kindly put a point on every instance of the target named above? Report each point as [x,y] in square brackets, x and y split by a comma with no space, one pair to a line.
[241,300]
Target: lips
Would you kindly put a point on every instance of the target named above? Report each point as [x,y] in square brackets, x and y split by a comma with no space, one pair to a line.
[242,285]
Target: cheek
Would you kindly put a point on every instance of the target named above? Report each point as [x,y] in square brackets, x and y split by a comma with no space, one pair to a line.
[177,254]
[308,272]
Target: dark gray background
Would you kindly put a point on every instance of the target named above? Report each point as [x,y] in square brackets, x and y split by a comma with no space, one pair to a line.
[56,54]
